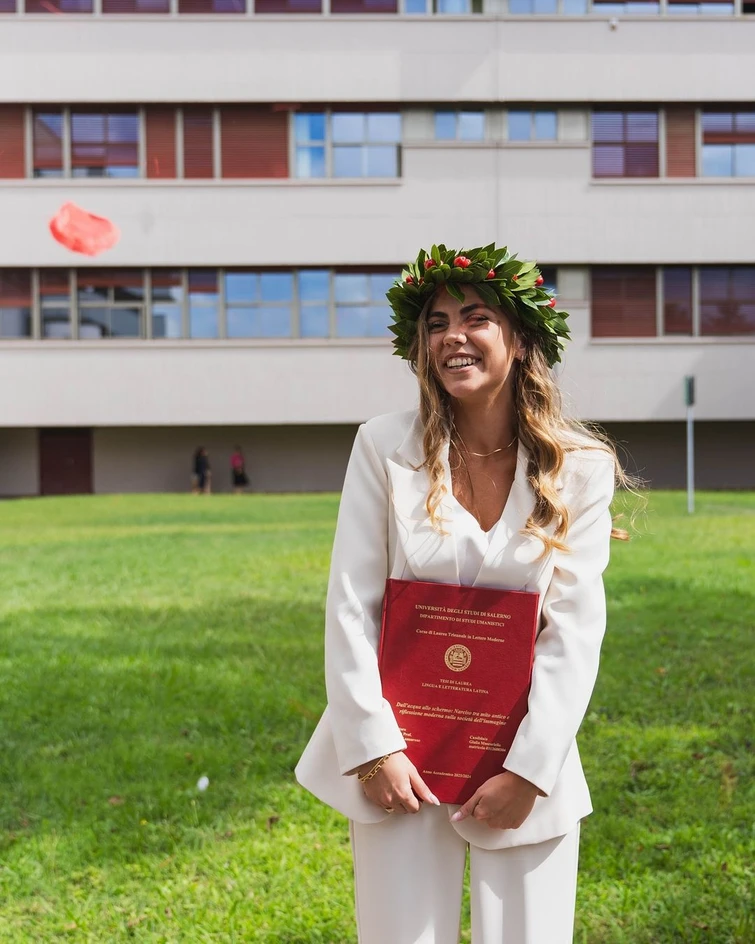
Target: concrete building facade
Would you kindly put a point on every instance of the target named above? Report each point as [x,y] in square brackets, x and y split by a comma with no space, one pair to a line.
[270,170]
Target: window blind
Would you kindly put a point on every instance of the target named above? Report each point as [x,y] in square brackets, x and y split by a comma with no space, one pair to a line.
[363,6]
[677,300]
[211,6]
[288,6]
[15,288]
[680,141]
[47,136]
[135,6]
[161,141]
[197,140]
[104,141]
[623,302]
[625,144]
[254,141]
[727,127]
[727,300]
[12,141]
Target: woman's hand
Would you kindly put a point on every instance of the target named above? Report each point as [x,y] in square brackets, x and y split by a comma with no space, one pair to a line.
[397,785]
[503,802]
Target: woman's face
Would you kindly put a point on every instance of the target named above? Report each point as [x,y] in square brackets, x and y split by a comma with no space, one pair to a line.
[472,347]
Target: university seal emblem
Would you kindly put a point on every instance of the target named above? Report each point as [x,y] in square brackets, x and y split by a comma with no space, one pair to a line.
[458,658]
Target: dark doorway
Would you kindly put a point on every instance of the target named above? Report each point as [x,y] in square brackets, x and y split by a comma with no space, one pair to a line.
[65,461]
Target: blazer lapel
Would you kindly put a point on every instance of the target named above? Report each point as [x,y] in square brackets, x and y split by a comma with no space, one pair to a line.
[430,555]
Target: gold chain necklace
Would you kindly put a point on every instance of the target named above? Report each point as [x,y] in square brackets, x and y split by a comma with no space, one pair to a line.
[485,455]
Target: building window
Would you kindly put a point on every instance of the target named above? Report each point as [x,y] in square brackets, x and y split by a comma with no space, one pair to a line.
[160,141]
[677,300]
[167,298]
[58,6]
[110,303]
[12,141]
[15,303]
[526,7]
[135,6]
[47,137]
[233,141]
[198,146]
[102,143]
[366,145]
[253,141]
[314,303]
[642,301]
[55,303]
[681,141]
[550,279]
[442,7]
[204,304]
[362,310]
[625,144]
[459,125]
[727,300]
[623,302]
[710,8]
[310,144]
[347,144]
[638,7]
[259,304]
[288,6]
[456,7]
[364,6]
[211,6]
[728,144]
[532,125]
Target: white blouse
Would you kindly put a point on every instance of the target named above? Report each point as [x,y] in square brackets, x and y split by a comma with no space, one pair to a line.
[471,543]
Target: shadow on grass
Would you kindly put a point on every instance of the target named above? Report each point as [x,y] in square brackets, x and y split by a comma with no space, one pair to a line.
[110,716]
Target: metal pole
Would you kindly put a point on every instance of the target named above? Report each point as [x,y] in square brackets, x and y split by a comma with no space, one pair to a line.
[690,460]
[689,399]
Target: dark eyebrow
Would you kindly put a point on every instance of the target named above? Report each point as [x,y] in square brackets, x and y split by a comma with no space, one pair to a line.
[467,309]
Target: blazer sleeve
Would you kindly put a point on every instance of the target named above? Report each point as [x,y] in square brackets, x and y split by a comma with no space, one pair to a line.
[567,649]
[363,723]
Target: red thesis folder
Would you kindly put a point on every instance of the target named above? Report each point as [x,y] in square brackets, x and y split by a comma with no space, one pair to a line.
[456,665]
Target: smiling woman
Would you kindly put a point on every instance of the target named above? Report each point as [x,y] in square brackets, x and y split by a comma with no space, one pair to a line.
[486,485]
[472,349]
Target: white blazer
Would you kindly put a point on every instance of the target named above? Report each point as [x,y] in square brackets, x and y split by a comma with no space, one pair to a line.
[384,530]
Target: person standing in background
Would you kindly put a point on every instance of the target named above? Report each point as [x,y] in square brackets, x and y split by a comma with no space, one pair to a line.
[239,477]
[202,475]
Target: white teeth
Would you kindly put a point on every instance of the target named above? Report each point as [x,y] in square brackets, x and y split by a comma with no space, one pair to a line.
[460,361]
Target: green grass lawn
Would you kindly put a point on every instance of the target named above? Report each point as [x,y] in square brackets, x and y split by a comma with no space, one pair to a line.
[151,640]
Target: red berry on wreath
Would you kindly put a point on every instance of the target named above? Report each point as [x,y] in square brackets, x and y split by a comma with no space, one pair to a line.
[491,274]
[539,280]
[552,303]
[514,278]
[429,263]
[409,280]
[462,262]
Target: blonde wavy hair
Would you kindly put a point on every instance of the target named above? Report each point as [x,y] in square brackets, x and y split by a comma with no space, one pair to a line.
[540,426]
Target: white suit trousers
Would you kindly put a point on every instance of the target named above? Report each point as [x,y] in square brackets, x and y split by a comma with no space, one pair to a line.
[409,874]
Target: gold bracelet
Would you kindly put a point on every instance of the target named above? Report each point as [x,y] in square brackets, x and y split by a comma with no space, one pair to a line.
[363,778]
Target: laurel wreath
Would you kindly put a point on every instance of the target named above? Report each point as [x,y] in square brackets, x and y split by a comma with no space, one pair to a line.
[499,278]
